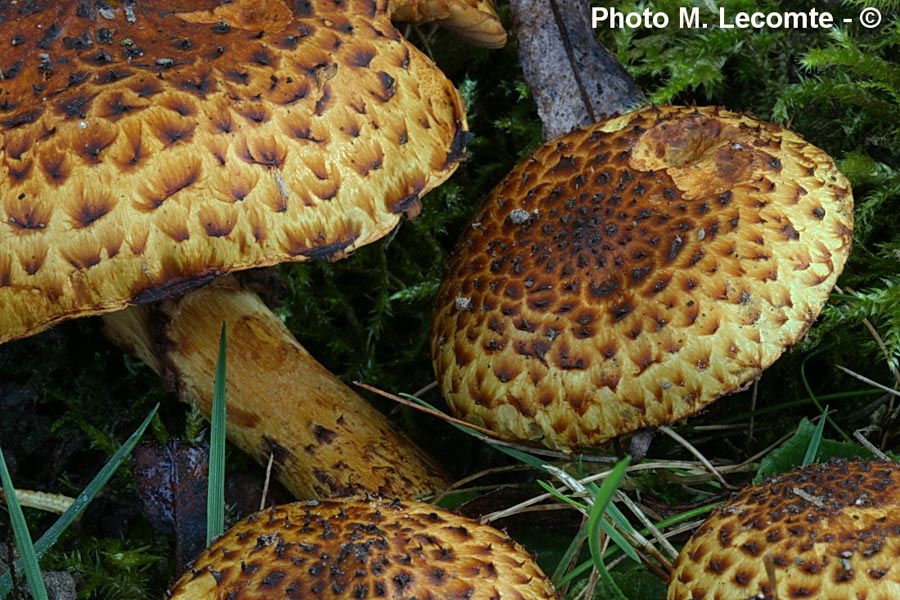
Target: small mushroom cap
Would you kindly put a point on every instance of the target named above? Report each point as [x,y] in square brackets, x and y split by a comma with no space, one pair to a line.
[628,274]
[361,548]
[475,20]
[149,146]
[827,531]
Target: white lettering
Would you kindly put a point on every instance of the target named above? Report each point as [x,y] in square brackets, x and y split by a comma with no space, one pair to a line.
[723,24]
[616,19]
[692,17]
[660,20]
[689,17]
[811,19]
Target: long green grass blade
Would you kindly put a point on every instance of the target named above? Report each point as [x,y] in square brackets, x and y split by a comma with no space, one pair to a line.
[23,537]
[215,494]
[82,500]
[561,497]
[570,554]
[612,511]
[616,516]
[595,522]
[813,448]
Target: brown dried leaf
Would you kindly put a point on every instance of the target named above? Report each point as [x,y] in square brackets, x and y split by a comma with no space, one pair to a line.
[172,480]
[575,81]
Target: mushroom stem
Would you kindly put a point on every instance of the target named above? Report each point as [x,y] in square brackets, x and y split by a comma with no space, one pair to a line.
[326,440]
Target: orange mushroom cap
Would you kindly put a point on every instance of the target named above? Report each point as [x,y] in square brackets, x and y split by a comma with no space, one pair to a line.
[148,146]
[362,548]
[474,20]
[627,274]
[827,531]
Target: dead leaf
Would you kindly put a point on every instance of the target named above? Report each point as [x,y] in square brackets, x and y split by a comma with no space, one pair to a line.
[574,79]
[172,481]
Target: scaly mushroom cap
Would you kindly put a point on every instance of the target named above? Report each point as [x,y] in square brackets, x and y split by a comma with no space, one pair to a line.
[475,20]
[151,145]
[361,548]
[827,531]
[628,274]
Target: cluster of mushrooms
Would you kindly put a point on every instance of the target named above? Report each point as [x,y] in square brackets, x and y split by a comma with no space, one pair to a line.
[623,276]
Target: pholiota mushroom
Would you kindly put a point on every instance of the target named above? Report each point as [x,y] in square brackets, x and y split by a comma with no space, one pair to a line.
[475,20]
[362,548]
[148,147]
[627,274]
[827,530]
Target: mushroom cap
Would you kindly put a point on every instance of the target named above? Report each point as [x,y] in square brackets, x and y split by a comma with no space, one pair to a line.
[475,20]
[628,274]
[362,548]
[828,530]
[148,147]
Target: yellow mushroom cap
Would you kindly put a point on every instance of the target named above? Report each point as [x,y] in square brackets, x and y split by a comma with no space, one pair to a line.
[628,274]
[827,530]
[475,20]
[362,548]
[147,146]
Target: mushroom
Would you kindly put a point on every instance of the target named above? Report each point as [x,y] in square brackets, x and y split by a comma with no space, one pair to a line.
[627,274]
[475,20]
[827,530]
[362,548]
[147,148]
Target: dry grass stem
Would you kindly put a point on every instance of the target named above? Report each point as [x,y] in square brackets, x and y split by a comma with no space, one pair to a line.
[486,433]
[265,490]
[654,531]
[865,379]
[769,562]
[459,485]
[728,427]
[690,448]
[516,508]
[44,501]
[752,413]
[424,390]
[815,500]
[481,433]
[864,441]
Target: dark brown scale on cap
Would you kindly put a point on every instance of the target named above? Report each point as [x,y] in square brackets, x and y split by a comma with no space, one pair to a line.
[363,548]
[830,531]
[643,252]
[168,123]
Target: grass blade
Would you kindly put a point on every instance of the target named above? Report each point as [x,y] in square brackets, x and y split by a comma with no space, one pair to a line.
[615,535]
[568,557]
[23,537]
[84,498]
[595,522]
[615,515]
[813,448]
[561,497]
[215,495]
